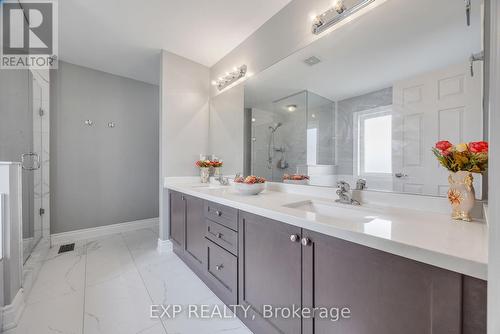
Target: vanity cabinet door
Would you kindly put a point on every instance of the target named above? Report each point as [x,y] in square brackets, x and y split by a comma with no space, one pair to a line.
[269,272]
[386,294]
[195,230]
[177,219]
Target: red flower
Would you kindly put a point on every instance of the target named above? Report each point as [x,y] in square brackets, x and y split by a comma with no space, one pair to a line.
[478,147]
[443,145]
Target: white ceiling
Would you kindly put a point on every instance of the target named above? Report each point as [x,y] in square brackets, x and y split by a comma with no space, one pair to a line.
[124,37]
[397,40]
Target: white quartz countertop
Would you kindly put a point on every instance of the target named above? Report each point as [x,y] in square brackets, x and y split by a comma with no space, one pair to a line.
[428,237]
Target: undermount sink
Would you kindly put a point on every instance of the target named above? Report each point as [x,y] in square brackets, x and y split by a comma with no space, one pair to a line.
[207,186]
[330,209]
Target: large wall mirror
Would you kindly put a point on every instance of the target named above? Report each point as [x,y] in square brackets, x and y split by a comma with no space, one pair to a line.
[369,100]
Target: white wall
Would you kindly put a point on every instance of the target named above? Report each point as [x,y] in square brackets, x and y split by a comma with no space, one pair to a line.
[494,174]
[10,185]
[184,119]
[226,124]
[185,114]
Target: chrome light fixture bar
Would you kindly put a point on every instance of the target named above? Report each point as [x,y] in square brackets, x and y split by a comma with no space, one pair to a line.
[230,78]
[336,14]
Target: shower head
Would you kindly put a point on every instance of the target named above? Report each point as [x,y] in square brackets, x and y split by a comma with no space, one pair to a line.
[275,127]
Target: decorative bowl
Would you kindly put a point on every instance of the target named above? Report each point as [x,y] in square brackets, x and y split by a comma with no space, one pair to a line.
[249,189]
[299,182]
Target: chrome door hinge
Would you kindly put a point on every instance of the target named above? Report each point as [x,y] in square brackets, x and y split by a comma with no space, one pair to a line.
[42,211]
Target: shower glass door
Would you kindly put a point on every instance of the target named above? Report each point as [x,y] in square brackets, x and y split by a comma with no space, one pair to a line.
[21,112]
[279,137]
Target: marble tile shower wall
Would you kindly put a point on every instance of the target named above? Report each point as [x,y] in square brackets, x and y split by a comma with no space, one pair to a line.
[291,137]
[321,115]
[261,120]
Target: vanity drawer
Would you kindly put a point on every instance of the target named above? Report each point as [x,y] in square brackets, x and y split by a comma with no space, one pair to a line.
[223,271]
[222,214]
[222,236]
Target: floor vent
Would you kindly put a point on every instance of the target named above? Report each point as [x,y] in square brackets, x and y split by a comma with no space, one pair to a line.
[66,248]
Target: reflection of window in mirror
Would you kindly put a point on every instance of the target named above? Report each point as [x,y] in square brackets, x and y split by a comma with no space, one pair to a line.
[373,142]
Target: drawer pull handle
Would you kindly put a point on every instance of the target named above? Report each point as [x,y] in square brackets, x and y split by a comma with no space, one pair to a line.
[306,242]
[218,213]
[294,238]
[220,235]
[219,267]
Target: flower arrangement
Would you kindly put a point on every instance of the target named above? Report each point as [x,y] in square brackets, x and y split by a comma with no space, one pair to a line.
[295,177]
[203,163]
[208,163]
[216,163]
[252,179]
[471,157]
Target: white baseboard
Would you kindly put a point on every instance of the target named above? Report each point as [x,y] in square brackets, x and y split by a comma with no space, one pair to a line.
[89,233]
[164,246]
[12,313]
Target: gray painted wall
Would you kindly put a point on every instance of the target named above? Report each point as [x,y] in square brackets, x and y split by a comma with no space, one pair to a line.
[100,175]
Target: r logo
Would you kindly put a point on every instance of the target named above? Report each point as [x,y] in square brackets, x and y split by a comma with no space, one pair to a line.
[27,28]
[29,34]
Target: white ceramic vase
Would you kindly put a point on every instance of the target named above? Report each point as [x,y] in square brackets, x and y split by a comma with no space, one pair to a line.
[461,195]
[204,174]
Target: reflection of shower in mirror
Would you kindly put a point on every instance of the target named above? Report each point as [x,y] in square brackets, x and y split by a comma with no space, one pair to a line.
[271,148]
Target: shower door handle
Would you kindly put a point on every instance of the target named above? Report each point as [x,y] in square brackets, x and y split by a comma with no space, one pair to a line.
[35,161]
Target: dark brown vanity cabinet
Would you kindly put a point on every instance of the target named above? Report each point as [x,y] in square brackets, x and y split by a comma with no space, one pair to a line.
[381,293]
[273,267]
[385,293]
[270,272]
[187,228]
[195,230]
[177,219]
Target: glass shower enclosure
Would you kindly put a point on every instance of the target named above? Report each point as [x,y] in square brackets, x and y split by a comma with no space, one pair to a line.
[293,135]
[22,128]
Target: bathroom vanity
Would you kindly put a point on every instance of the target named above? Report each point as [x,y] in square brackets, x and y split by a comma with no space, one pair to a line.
[397,270]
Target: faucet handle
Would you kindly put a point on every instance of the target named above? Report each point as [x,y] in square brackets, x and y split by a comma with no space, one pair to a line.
[360,184]
[344,186]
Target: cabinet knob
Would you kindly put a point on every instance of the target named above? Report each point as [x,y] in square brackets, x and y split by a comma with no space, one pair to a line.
[294,238]
[218,213]
[306,242]
[219,267]
[220,235]
[183,197]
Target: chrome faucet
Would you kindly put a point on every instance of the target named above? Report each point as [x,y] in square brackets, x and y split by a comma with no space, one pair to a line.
[361,184]
[344,193]
[224,181]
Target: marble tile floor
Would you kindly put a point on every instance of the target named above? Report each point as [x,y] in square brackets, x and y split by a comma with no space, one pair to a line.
[108,285]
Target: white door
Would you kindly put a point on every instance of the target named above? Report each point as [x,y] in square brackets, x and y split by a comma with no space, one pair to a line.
[440,105]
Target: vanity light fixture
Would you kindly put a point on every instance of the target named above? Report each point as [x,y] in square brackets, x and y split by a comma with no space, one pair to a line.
[336,14]
[291,107]
[230,77]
